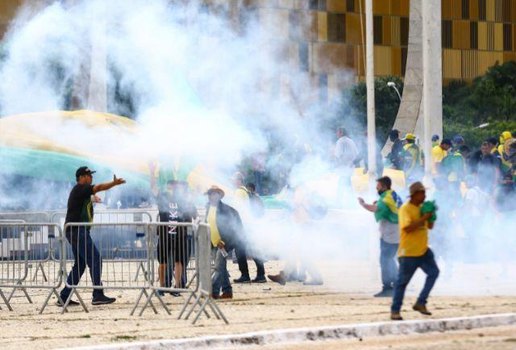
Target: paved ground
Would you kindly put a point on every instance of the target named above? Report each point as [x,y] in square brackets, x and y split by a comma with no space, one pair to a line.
[259,307]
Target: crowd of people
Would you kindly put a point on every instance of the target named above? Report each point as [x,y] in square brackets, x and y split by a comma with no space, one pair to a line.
[462,175]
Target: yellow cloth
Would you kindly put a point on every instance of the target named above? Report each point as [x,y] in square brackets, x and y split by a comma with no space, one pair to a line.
[212,221]
[414,243]
[438,155]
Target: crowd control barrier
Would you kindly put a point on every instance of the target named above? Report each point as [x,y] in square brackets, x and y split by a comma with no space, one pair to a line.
[121,256]
[24,263]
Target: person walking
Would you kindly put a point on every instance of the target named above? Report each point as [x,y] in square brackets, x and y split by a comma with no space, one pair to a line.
[225,227]
[386,214]
[413,252]
[80,210]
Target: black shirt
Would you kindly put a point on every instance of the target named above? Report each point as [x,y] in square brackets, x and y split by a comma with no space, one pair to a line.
[80,208]
[172,208]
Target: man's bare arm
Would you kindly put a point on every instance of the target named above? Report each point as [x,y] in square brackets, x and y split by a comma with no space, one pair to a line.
[107,185]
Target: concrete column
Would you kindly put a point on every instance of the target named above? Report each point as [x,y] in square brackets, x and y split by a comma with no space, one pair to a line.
[371,119]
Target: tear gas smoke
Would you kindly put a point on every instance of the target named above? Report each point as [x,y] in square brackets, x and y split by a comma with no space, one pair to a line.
[207,91]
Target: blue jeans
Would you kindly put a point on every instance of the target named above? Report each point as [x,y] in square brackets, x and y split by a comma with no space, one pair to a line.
[220,279]
[85,253]
[388,263]
[408,267]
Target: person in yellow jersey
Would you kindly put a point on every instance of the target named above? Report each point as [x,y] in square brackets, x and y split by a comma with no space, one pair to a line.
[412,158]
[503,149]
[226,229]
[439,152]
[413,252]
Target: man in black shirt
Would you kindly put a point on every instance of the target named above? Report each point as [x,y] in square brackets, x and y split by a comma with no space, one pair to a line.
[80,209]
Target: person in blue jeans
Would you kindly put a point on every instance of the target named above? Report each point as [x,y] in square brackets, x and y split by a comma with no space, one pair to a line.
[80,210]
[226,231]
[413,252]
[386,214]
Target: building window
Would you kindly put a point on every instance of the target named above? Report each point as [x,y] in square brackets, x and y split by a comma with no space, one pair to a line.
[447,37]
[465,9]
[506,12]
[336,27]
[317,5]
[473,34]
[482,10]
[507,37]
[404,31]
[378,30]
[350,5]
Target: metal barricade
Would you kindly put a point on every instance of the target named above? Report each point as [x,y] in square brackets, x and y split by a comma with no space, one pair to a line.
[24,263]
[204,274]
[171,248]
[114,216]
[108,250]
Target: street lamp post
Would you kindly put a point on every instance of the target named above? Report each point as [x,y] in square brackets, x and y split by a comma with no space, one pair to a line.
[393,85]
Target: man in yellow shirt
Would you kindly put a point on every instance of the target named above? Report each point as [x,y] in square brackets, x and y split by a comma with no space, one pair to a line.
[413,252]
[226,229]
[439,152]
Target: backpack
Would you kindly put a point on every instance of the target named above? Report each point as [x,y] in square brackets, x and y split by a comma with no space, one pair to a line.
[256,204]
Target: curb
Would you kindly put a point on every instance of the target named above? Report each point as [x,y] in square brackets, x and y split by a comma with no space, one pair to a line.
[297,335]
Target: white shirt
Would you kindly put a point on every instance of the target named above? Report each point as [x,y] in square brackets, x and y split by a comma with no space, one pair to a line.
[346,151]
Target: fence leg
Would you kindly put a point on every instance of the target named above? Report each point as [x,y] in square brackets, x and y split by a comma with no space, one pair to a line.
[53,291]
[142,268]
[148,301]
[24,292]
[38,268]
[137,302]
[5,301]
[185,305]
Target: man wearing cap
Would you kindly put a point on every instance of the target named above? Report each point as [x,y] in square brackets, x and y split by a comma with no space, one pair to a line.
[435,140]
[225,228]
[412,159]
[413,252]
[80,209]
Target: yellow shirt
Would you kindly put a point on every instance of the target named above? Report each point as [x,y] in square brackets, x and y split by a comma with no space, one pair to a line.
[414,243]
[212,221]
[438,155]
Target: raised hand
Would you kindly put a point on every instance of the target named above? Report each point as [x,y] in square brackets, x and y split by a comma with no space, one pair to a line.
[118,181]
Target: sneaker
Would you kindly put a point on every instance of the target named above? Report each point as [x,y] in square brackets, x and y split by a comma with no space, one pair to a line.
[242,279]
[175,294]
[101,300]
[160,293]
[70,303]
[259,279]
[422,309]
[278,279]
[226,296]
[395,316]
[384,293]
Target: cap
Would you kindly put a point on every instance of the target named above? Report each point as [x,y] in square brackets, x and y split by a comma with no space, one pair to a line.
[458,139]
[416,187]
[410,136]
[435,137]
[84,170]
[215,189]
[446,142]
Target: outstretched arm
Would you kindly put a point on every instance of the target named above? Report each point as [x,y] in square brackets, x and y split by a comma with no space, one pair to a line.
[107,185]
[371,207]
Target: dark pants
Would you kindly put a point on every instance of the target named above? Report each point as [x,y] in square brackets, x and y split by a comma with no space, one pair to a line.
[388,263]
[241,255]
[408,267]
[85,253]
